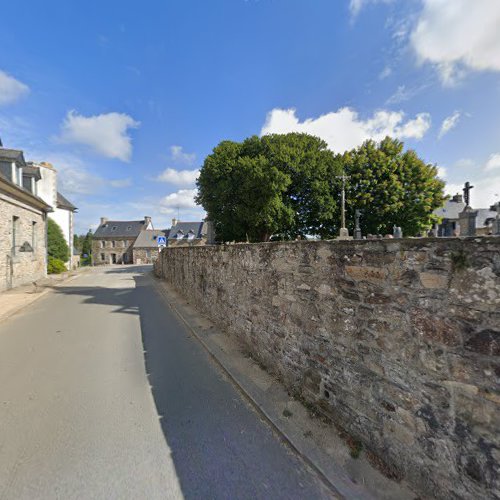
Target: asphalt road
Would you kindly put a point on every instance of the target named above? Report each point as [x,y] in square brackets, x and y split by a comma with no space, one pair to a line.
[104,394]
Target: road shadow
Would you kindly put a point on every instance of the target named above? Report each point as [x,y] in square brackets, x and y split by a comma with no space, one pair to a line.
[219,446]
[122,298]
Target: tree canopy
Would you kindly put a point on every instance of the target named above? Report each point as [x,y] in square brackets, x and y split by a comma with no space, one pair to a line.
[276,184]
[289,185]
[57,248]
[391,187]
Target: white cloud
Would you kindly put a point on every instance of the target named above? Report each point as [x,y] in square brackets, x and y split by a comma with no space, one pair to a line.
[179,177]
[180,156]
[458,35]
[442,172]
[107,133]
[355,6]
[182,199]
[448,123]
[73,176]
[386,72]
[493,163]
[485,178]
[11,89]
[343,129]
[485,193]
[121,183]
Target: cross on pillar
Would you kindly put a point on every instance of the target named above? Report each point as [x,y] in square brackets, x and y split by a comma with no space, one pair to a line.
[466,190]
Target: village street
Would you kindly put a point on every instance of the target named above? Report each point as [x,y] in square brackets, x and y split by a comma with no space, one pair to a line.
[103,394]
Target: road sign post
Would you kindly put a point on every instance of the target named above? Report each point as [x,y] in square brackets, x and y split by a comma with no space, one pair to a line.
[162,242]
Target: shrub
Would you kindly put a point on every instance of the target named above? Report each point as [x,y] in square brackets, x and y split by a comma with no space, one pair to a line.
[57,246]
[55,266]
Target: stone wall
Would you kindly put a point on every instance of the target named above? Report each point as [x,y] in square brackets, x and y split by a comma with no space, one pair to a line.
[19,268]
[397,341]
[145,255]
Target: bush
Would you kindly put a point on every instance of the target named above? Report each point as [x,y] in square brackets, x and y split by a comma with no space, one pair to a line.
[86,261]
[57,246]
[55,266]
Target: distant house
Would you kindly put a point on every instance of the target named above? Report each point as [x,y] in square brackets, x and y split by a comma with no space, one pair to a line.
[450,214]
[63,210]
[145,248]
[113,241]
[23,222]
[190,233]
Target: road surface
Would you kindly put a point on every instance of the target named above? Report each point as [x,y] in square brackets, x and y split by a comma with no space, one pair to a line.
[104,394]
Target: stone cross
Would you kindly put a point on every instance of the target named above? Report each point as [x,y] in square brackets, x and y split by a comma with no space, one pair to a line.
[467,189]
[357,228]
[344,232]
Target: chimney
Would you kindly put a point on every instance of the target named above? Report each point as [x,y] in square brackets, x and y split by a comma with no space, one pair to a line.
[147,221]
[458,198]
[104,220]
[174,221]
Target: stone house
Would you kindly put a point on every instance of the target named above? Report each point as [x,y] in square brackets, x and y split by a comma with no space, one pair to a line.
[450,218]
[113,241]
[190,233]
[145,248]
[23,222]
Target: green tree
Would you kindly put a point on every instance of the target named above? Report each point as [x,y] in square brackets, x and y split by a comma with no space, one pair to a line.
[87,244]
[277,184]
[391,187]
[57,246]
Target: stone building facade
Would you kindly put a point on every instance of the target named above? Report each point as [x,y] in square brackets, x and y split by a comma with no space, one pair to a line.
[23,223]
[396,341]
[113,241]
[145,248]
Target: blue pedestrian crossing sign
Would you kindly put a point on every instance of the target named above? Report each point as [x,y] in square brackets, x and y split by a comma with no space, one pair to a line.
[162,241]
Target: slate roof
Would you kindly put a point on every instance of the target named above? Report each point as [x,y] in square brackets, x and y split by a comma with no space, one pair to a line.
[181,230]
[119,229]
[32,171]
[450,210]
[12,155]
[483,215]
[147,238]
[63,202]
[6,180]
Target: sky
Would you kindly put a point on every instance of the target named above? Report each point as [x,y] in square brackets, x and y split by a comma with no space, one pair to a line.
[126,99]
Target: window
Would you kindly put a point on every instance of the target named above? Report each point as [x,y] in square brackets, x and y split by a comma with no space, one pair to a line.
[129,228]
[15,235]
[113,244]
[103,257]
[33,235]
[103,243]
[148,254]
[113,228]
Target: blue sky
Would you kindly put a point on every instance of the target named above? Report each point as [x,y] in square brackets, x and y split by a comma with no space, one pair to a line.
[127,99]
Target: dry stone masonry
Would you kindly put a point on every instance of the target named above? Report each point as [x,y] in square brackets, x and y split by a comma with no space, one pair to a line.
[398,342]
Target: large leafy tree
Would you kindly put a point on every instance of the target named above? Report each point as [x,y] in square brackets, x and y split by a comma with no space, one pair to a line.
[277,184]
[57,248]
[391,187]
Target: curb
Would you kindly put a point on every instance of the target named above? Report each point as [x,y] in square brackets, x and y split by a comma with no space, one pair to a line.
[334,489]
